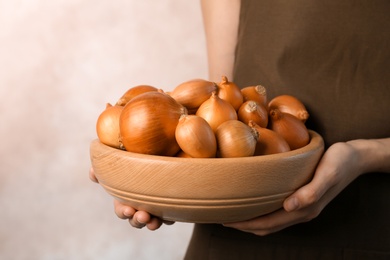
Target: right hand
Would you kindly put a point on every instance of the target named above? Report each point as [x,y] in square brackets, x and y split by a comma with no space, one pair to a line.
[137,218]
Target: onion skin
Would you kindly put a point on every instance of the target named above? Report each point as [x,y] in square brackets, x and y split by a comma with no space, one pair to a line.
[107,126]
[253,111]
[193,93]
[148,123]
[230,92]
[269,142]
[235,139]
[195,137]
[256,93]
[289,104]
[216,111]
[133,92]
[182,154]
[290,128]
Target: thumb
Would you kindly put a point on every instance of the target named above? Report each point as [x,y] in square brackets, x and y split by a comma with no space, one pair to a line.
[307,195]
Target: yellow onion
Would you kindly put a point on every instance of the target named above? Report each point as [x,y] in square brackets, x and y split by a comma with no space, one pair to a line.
[216,111]
[182,154]
[148,123]
[195,137]
[251,110]
[230,92]
[256,93]
[289,104]
[133,92]
[235,139]
[193,93]
[107,126]
[290,128]
[269,142]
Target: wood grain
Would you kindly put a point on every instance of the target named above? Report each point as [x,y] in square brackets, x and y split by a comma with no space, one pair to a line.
[212,190]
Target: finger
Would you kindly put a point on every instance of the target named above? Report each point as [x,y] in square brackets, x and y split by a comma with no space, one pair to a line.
[92,175]
[269,223]
[262,225]
[324,179]
[304,197]
[123,211]
[140,219]
[168,222]
[154,224]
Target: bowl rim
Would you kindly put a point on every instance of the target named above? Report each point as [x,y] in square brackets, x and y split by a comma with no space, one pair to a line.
[180,208]
[316,142]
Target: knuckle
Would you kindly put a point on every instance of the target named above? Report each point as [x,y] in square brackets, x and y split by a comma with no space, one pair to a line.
[310,196]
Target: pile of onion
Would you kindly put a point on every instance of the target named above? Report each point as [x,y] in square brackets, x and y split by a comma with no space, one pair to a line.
[204,119]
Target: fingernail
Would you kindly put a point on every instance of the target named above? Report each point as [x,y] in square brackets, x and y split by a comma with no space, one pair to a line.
[292,204]
[140,221]
[127,213]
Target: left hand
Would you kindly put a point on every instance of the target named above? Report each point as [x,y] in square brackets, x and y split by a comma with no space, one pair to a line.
[338,167]
[136,218]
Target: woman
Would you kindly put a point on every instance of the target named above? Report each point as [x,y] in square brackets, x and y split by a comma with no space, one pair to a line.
[334,56]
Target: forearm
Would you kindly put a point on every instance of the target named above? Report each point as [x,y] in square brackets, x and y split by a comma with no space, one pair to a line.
[373,154]
[220,18]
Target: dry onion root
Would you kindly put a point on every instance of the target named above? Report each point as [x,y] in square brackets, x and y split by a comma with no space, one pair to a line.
[224,121]
[256,93]
[269,141]
[289,104]
[253,111]
[230,92]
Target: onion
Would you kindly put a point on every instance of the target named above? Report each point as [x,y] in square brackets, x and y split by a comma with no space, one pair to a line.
[107,126]
[133,92]
[182,154]
[256,93]
[269,142]
[251,110]
[148,123]
[193,93]
[230,92]
[195,137]
[235,139]
[289,104]
[290,128]
[216,111]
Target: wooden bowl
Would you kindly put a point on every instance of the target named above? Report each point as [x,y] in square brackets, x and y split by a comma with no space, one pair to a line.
[215,190]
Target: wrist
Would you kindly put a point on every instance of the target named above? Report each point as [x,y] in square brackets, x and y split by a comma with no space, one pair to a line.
[373,154]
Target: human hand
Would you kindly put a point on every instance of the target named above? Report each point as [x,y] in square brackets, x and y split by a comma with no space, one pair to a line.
[338,167]
[137,219]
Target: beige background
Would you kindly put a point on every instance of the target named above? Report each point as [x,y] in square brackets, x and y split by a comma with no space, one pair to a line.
[60,62]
